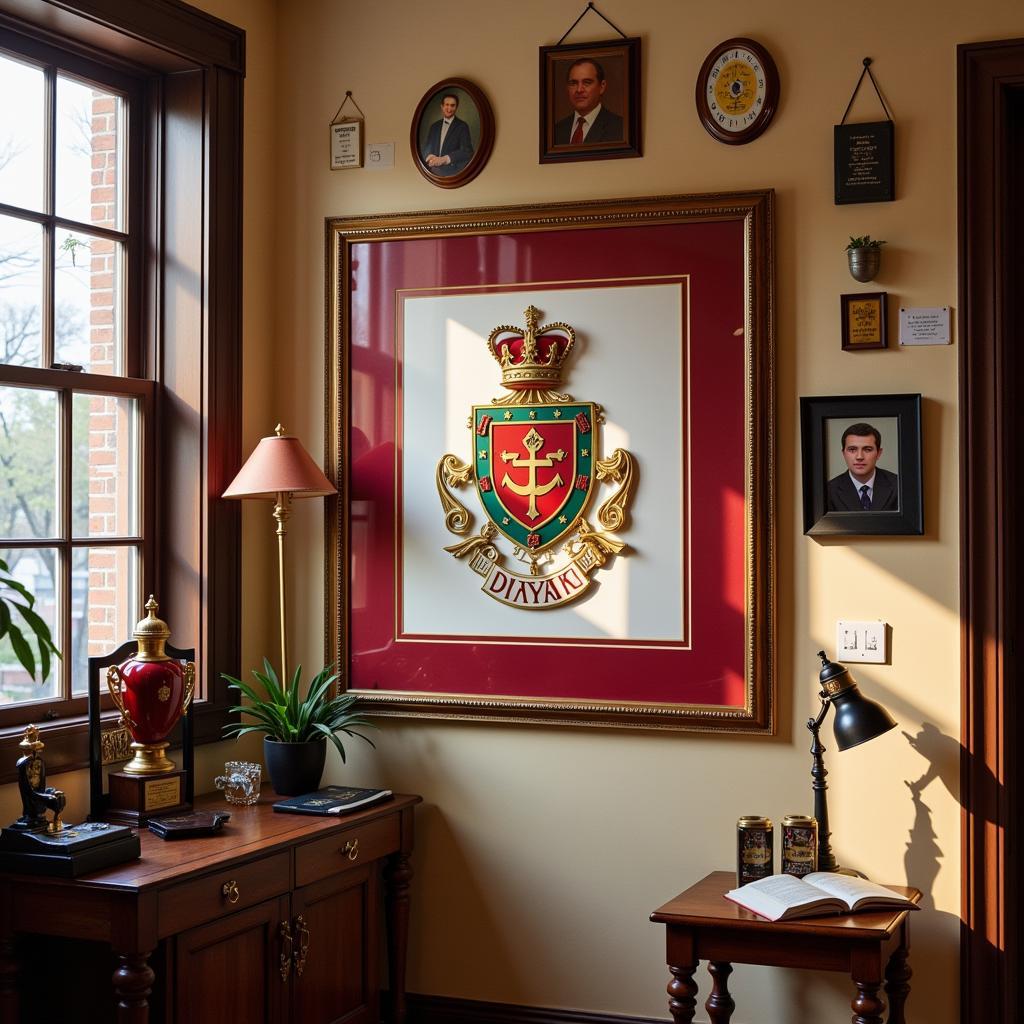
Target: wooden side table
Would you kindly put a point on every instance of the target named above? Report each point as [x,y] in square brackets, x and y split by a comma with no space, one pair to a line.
[700,924]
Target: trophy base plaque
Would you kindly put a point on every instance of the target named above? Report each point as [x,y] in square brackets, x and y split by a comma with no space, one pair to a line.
[136,799]
[74,850]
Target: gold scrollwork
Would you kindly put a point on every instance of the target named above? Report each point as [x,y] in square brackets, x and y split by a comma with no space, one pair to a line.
[619,467]
[453,473]
[532,396]
[114,683]
[483,543]
[596,545]
[190,686]
[115,745]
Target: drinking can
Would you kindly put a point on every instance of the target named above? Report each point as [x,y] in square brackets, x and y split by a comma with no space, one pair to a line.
[755,848]
[799,845]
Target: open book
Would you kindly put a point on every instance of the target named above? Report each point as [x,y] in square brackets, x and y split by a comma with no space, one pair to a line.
[783,897]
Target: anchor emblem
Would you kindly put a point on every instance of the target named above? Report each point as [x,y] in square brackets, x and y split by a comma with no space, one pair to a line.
[533,443]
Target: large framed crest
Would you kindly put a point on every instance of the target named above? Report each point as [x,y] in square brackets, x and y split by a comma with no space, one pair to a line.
[551,428]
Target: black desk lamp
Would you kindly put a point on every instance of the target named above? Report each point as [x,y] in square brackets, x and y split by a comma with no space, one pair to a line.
[857,720]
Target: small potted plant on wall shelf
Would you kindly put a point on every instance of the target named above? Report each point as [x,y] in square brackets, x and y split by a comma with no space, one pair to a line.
[865,257]
[297,728]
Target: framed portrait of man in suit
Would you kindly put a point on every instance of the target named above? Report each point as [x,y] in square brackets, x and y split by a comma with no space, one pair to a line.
[452,133]
[590,101]
[862,464]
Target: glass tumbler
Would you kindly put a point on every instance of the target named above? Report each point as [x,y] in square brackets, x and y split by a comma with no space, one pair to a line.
[240,782]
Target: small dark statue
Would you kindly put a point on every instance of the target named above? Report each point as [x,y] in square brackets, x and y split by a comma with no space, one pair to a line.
[36,797]
[37,844]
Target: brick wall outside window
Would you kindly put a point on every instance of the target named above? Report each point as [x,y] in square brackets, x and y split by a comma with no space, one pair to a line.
[109,608]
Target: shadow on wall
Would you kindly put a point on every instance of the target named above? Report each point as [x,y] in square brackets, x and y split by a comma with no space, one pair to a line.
[923,855]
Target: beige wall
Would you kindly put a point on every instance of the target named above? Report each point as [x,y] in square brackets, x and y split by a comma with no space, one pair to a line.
[541,852]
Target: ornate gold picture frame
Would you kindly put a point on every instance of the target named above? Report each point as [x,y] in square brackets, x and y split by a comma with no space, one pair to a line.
[667,307]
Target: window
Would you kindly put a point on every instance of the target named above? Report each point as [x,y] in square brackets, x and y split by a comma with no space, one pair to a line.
[124,200]
[75,416]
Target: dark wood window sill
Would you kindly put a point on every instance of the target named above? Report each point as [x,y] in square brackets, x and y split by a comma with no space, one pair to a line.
[67,740]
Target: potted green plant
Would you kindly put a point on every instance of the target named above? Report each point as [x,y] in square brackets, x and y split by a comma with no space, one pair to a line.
[864,255]
[31,619]
[297,728]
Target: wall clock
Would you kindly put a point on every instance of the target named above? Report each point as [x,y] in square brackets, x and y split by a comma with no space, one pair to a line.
[737,91]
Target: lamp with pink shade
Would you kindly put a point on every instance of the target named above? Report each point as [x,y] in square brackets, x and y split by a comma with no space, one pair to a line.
[280,469]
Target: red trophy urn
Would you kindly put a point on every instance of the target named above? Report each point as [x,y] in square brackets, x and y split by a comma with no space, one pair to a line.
[152,691]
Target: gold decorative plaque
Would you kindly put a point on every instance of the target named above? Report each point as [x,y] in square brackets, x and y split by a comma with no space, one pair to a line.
[536,466]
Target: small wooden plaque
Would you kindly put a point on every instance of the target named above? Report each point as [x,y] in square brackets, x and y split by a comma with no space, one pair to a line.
[864,319]
[137,798]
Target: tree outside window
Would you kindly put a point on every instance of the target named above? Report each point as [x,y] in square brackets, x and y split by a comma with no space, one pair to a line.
[72,421]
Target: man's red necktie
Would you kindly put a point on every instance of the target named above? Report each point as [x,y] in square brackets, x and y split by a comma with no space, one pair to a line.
[577,136]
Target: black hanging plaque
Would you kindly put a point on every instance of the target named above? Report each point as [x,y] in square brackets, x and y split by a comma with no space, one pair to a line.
[864,163]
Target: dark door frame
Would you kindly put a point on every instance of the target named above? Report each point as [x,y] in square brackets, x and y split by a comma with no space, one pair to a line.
[990,88]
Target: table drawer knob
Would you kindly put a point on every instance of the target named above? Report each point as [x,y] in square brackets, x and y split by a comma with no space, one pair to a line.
[229,890]
[350,849]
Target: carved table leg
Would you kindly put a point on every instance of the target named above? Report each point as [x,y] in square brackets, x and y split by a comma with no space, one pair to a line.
[720,1004]
[133,980]
[897,987]
[682,994]
[8,980]
[397,877]
[867,1007]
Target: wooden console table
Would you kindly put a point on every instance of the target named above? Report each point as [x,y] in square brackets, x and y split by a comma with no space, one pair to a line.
[276,919]
[701,924]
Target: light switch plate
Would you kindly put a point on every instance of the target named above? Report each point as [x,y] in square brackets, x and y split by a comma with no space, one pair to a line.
[861,641]
[380,156]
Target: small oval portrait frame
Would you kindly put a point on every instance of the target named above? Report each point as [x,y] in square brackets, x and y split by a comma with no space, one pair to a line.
[468,141]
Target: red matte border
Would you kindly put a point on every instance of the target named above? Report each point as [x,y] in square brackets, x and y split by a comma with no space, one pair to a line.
[708,674]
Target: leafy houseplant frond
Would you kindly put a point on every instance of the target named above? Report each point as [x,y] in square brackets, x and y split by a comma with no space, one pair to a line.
[283,715]
[864,242]
[24,608]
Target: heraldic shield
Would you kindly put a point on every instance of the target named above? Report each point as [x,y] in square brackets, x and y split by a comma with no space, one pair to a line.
[536,466]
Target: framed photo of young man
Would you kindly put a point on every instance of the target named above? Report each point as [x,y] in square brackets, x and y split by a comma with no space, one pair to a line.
[862,464]
[452,133]
[590,101]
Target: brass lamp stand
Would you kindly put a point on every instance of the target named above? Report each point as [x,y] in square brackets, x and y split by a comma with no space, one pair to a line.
[280,469]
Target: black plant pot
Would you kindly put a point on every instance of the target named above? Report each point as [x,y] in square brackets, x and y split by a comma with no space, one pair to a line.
[295,768]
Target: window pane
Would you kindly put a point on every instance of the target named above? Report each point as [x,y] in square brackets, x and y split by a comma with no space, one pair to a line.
[105,467]
[89,146]
[35,569]
[21,292]
[105,605]
[21,135]
[28,463]
[87,302]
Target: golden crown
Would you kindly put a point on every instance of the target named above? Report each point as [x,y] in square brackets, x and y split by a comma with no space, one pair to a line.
[532,358]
